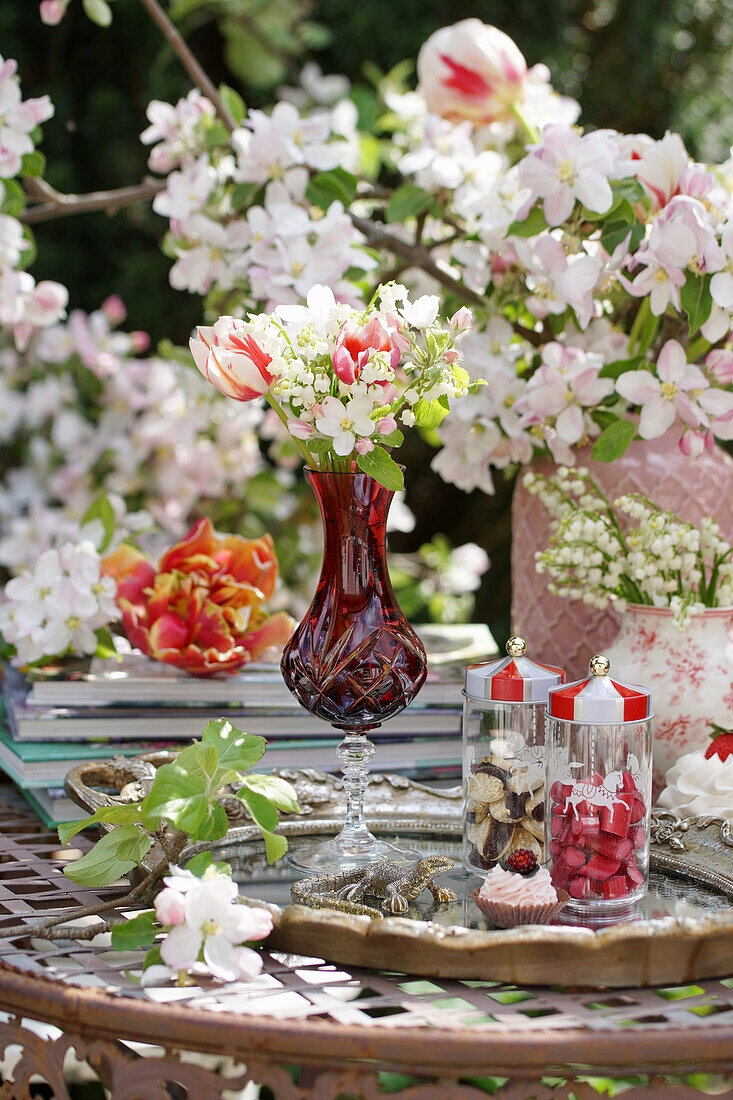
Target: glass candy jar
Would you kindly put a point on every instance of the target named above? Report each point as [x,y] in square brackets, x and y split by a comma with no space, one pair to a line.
[599,781]
[504,756]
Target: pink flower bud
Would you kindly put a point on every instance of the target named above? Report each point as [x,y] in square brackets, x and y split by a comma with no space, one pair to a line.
[720,364]
[300,429]
[140,340]
[52,11]
[461,319]
[364,446]
[170,906]
[693,443]
[451,356]
[386,425]
[114,309]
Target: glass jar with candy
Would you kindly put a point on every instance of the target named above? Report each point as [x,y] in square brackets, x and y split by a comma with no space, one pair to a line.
[598,793]
[504,756]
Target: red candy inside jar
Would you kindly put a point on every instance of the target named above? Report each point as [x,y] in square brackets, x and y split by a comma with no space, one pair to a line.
[598,791]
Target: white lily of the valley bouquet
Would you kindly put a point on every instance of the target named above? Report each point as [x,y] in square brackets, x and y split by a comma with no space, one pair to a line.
[628,552]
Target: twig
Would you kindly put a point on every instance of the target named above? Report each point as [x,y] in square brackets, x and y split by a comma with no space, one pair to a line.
[88,932]
[175,39]
[59,205]
[417,256]
[103,907]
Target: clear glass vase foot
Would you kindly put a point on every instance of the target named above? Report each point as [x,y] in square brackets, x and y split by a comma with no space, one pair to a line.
[333,856]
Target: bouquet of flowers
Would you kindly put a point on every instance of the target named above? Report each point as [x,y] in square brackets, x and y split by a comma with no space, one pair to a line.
[628,552]
[343,379]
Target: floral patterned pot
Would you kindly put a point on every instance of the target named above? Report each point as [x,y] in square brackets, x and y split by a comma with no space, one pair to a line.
[689,673]
[567,633]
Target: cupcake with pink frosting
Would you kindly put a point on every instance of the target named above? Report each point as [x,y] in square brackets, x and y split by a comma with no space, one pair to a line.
[518,891]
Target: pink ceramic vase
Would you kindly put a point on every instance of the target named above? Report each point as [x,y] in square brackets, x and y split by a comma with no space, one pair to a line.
[567,633]
[689,673]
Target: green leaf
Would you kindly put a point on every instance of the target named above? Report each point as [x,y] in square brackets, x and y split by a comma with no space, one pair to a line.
[621,366]
[279,791]
[199,863]
[214,826]
[319,446]
[13,199]
[382,467]
[613,441]
[408,201]
[114,815]
[111,857]
[616,231]
[629,190]
[178,796]
[236,749]
[153,957]
[533,224]
[275,845]
[217,135]
[697,300]
[262,810]
[106,648]
[394,439]
[243,194]
[34,164]
[233,102]
[139,931]
[326,187]
[98,11]
[102,509]
[429,414]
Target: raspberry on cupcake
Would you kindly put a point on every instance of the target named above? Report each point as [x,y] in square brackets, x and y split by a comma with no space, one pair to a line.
[519,891]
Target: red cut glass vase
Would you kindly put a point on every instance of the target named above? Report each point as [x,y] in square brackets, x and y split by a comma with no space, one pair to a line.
[354,660]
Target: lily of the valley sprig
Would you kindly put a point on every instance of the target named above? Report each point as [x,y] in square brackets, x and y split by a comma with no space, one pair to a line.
[628,552]
[343,381]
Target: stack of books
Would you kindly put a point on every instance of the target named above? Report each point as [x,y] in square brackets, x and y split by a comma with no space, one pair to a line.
[134,705]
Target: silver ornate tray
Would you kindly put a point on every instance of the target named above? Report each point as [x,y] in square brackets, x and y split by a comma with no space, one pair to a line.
[682,931]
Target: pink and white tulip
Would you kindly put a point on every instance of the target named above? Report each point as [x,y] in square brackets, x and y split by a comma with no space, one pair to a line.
[228,355]
[471,71]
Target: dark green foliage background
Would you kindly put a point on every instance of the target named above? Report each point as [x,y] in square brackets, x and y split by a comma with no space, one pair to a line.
[637,65]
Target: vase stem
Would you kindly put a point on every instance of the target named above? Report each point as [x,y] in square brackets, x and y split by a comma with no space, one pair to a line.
[355,752]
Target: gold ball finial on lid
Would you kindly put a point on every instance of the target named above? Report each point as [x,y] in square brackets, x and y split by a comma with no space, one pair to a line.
[516,646]
[599,665]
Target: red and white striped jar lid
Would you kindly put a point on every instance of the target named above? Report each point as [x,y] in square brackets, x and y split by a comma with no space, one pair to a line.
[513,679]
[600,699]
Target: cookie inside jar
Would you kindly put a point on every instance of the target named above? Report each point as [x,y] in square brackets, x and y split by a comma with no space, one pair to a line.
[504,757]
[505,803]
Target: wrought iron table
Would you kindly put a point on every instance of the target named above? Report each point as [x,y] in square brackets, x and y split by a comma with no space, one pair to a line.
[309,1030]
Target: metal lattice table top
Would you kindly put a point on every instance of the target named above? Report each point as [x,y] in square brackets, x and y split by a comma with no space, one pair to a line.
[308,1008]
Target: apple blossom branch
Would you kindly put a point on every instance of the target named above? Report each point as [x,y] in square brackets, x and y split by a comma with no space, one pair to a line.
[53,204]
[182,51]
[59,205]
[417,256]
[48,929]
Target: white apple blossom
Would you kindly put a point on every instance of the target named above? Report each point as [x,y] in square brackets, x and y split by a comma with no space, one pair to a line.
[346,422]
[566,166]
[565,384]
[672,392]
[18,118]
[187,190]
[58,606]
[214,930]
[177,134]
